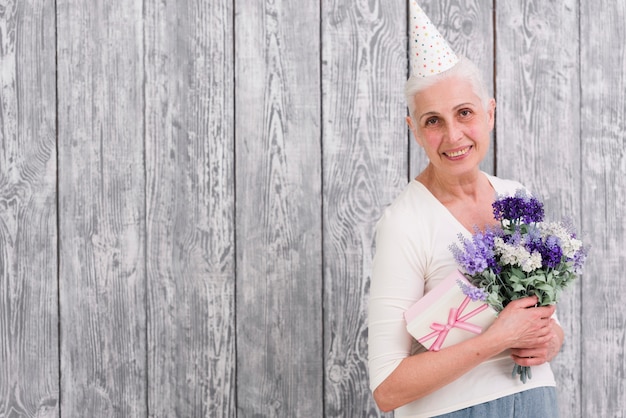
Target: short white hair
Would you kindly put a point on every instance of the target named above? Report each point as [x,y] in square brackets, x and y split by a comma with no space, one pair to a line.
[464,69]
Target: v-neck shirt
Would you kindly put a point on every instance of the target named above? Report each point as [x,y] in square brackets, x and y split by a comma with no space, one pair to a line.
[413,239]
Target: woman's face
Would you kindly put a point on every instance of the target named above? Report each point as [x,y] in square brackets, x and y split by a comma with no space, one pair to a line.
[452,125]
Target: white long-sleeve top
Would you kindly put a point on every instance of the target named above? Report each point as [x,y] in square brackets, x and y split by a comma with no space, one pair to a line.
[413,239]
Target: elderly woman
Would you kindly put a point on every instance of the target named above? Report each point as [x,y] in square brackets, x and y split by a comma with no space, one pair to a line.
[451,117]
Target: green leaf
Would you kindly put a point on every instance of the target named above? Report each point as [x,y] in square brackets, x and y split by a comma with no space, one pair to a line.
[517,287]
[518,273]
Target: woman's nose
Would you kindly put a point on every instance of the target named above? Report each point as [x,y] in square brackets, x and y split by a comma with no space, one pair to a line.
[454,132]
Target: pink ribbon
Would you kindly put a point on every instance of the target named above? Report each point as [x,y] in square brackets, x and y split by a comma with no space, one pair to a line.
[455,320]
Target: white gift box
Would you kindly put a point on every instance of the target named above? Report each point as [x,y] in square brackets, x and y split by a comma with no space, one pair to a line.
[445,316]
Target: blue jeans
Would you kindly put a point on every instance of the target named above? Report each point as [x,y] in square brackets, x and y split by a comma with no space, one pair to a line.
[533,403]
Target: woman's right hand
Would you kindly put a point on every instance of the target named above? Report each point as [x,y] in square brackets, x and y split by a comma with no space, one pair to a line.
[523,325]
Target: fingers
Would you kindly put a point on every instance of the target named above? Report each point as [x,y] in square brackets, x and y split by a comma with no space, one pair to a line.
[526,302]
[530,357]
[529,361]
[542,350]
[531,302]
[527,353]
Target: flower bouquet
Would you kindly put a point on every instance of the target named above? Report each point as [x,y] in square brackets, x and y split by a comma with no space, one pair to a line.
[524,256]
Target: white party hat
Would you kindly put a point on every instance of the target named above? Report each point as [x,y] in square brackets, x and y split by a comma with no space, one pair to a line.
[430,53]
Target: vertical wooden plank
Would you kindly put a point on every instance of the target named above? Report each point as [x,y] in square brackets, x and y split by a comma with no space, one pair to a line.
[190,209]
[467,25]
[365,167]
[603,141]
[28,233]
[101,195]
[278,195]
[538,127]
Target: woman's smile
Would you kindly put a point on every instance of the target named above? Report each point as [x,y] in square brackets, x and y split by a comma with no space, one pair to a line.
[458,153]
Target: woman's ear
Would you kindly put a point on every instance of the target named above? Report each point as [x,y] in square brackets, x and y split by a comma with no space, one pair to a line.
[409,122]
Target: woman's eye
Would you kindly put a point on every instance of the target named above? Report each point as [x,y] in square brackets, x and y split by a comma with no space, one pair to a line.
[465,112]
[431,121]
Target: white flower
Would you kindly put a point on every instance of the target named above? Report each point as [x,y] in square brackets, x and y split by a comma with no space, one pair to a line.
[517,255]
[532,263]
[569,245]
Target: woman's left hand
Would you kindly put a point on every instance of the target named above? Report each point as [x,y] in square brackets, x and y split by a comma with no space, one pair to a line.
[541,354]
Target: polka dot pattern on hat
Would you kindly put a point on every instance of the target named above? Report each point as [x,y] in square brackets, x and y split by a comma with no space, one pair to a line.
[430,53]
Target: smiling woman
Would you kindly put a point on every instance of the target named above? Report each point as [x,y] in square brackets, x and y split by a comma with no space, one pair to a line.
[451,121]
[451,117]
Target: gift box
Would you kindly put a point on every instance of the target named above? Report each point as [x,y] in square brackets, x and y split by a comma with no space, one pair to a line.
[446,316]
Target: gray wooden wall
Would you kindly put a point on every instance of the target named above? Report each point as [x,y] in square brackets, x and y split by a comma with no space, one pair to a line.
[188,193]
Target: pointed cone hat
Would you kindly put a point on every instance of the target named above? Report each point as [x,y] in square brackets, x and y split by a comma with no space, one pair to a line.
[430,53]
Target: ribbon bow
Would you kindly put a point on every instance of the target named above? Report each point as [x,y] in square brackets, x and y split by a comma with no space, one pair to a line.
[455,320]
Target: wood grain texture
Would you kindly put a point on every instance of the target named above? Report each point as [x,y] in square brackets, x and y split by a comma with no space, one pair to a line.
[603,142]
[221,166]
[365,165]
[28,264]
[278,195]
[102,216]
[190,209]
[467,25]
[538,138]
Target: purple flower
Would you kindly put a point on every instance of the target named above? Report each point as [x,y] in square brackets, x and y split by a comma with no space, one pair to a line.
[474,293]
[514,239]
[551,252]
[579,259]
[520,207]
[476,254]
[470,258]
[549,248]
